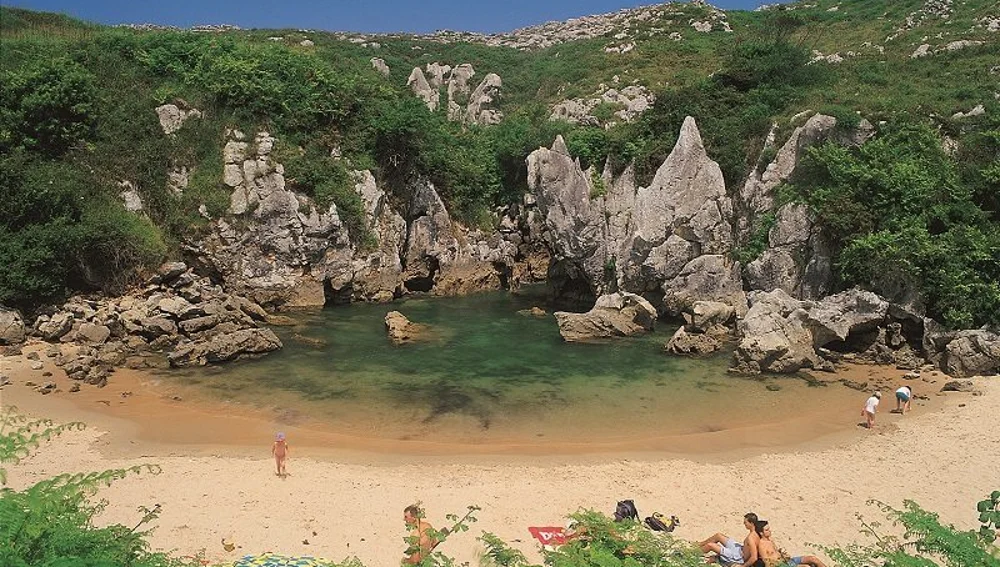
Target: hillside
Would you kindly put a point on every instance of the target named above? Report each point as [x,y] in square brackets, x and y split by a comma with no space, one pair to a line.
[79,130]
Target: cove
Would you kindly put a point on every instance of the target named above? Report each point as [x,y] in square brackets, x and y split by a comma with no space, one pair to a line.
[490,374]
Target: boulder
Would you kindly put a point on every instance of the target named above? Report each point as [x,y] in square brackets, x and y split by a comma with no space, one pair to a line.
[173,117]
[420,87]
[620,314]
[225,347]
[11,327]
[401,330]
[683,342]
[838,316]
[775,337]
[483,101]
[958,386]
[52,329]
[93,334]
[707,315]
[972,353]
[379,65]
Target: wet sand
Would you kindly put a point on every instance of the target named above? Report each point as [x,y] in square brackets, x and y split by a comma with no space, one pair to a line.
[345,494]
[141,409]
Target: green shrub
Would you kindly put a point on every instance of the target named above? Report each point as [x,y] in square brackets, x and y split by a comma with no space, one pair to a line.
[46,107]
[899,213]
[51,524]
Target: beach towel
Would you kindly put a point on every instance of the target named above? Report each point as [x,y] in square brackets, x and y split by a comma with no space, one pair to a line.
[549,536]
[272,560]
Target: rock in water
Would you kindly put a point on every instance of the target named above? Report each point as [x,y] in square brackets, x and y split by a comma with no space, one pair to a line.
[401,330]
[615,315]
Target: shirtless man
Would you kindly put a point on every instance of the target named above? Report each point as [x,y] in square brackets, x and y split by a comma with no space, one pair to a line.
[774,557]
[728,551]
[420,538]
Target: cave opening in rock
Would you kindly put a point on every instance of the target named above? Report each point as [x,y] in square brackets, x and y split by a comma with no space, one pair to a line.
[337,296]
[423,284]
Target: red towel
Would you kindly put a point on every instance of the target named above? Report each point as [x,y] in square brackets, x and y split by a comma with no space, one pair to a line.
[549,535]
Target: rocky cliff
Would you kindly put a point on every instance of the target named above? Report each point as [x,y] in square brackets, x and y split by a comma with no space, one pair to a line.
[670,241]
[278,247]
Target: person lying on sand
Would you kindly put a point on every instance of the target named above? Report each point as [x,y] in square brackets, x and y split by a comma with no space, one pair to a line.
[421,539]
[772,556]
[730,552]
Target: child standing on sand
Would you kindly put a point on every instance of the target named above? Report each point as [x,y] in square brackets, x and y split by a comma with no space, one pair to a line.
[280,452]
[871,406]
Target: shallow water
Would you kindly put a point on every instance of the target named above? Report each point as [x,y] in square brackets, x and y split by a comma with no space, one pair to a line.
[491,374]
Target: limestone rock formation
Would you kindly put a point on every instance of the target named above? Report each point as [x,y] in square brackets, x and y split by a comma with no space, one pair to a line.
[799,257]
[177,315]
[379,65]
[968,353]
[775,337]
[671,239]
[482,103]
[172,117]
[225,347]
[401,330]
[684,343]
[614,315]
[420,87]
[463,104]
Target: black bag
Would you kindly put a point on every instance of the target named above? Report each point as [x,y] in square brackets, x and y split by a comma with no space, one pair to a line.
[626,511]
[657,523]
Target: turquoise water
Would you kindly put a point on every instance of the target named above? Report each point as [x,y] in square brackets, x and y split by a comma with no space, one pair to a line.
[487,373]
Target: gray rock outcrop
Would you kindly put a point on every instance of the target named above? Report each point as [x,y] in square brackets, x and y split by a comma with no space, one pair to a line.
[379,65]
[12,330]
[684,343]
[463,103]
[966,353]
[670,240]
[775,337]
[179,316]
[614,315]
[172,117]
[782,334]
[799,257]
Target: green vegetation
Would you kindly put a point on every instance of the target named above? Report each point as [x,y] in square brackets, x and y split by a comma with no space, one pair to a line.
[76,118]
[906,221]
[50,524]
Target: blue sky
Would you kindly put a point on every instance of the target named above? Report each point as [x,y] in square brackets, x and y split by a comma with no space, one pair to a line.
[415,16]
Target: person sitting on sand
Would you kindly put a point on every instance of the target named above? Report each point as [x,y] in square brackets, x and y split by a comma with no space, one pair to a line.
[903,397]
[730,552]
[772,556]
[871,406]
[421,537]
[280,452]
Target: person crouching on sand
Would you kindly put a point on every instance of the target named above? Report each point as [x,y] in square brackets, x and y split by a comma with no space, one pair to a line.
[904,396]
[280,452]
[871,406]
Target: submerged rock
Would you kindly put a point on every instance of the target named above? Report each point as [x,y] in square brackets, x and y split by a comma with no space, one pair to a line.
[401,330]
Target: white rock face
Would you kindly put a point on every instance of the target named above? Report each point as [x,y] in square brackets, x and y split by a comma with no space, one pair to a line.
[465,105]
[172,117]
[130,195]
[379,65]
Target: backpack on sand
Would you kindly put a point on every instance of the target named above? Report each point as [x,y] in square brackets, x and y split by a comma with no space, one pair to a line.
[660,523]
[626,511]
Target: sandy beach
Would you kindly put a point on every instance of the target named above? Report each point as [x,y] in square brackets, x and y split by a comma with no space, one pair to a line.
[348,502]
